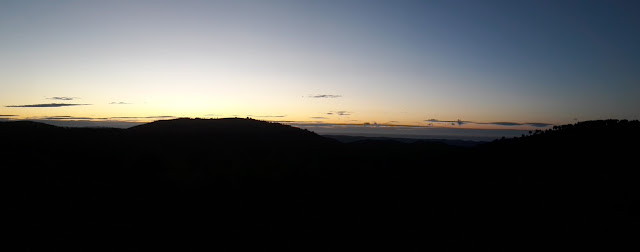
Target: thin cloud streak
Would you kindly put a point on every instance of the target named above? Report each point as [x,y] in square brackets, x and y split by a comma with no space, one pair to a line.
[120,103]
[142,117]
[63,98]
[267,116]
[459,122]
[340,113]
[71,118]
[325,96]
[46,105]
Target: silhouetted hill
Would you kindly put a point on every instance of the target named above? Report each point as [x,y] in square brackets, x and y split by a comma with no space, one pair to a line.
[580,135]
[606,143]
[24,126]
[26,130]
[580,179]
[235,129]
[242,184]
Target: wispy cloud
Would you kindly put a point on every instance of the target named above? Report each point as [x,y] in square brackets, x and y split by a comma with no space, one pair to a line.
[324,96]
[120,103]
[278,116]
[99,119]
[71,118]
[76,122]
[63,98]
[318,117]
[459,122]
[46,105]
[4,118]
[340,113]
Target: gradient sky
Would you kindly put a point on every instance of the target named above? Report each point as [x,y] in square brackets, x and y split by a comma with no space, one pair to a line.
[389,62]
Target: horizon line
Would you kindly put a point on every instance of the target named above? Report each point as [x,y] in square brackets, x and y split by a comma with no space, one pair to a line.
[432,123]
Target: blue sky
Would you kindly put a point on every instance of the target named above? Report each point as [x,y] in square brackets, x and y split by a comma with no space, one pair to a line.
[341,62]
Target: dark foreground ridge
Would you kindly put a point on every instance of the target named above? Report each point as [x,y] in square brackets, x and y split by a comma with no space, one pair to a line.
[242,184]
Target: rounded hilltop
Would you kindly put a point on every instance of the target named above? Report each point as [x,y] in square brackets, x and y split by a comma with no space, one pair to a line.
[226,129]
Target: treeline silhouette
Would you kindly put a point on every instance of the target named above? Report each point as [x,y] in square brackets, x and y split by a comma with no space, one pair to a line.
[243,184]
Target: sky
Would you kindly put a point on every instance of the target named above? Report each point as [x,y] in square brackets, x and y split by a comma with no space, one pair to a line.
[466,64]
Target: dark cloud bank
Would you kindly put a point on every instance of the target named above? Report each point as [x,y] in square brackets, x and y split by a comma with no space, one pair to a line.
[46,105]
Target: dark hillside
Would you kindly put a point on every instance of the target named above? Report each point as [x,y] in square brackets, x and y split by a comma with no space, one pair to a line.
[241,184]
[571,184]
